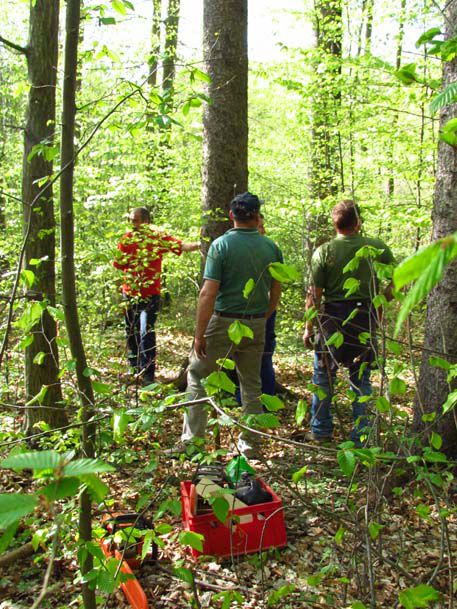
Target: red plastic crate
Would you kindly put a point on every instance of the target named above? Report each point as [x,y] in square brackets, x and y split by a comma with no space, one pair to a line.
[260,527]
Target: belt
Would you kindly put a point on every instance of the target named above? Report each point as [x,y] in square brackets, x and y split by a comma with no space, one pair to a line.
[239,315]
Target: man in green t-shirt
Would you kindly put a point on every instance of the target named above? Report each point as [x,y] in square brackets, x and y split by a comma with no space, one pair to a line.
[344,273]
[240,255]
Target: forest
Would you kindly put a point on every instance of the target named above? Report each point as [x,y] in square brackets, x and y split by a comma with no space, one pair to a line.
[177,108]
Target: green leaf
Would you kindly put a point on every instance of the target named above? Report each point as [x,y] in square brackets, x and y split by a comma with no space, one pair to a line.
[36,460]
[413,267]
[382,404]
[339,535]
[31,315]
[59,489]
[358,605]
[101,387]
[219,381]
[120,422]
[277,595]
[81,467]
[439,362]
[397,386]
[283,273]
[434,457]
[407,74]
[297,476]
[271,402]
[39,397]
[8,536]
[194,540]
[266,420]
[346,461]
[119,7]
[199,75]
[250,285]
[237,331]
[336,339]
[28,277]
[226,362]
[418,597]
[13,506]
[39,358]
[351,285]
[96,487]
[423,511]
[301,411]
[374,528]
[184,575]
[450,402]
[446,97]
[436,441]
[428,36]
[220,508]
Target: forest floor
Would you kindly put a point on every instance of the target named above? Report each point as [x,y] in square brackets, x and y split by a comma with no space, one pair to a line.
[352,541]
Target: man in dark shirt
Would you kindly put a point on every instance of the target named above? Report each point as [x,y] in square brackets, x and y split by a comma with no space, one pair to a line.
[344,274]
[242,254]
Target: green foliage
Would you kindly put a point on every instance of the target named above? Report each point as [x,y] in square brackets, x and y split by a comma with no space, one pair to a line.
[271,402]
[14,506]
[301,412]
[192,539]
[217,382]
[284,273]
[237,331]
[426,268]
[346,461]
[420,596]
[278,595]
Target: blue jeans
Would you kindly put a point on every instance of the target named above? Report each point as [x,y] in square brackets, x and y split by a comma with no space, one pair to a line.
[140,318]
[321,416]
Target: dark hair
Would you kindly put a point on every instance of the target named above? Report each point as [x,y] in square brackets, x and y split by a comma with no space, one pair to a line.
[346,214]
[143,212]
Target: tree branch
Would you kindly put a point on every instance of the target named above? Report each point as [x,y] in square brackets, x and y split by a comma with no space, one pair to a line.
[16,47]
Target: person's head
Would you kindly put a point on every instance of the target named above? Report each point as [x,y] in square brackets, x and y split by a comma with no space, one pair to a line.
[245,208]
[346,216]
[140,215]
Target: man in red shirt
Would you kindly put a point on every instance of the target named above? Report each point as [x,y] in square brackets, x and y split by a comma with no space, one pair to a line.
[140,254]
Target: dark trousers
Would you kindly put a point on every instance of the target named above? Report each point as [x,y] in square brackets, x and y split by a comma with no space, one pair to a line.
[140,319]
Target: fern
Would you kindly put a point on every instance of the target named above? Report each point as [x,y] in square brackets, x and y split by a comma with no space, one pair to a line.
[448,96]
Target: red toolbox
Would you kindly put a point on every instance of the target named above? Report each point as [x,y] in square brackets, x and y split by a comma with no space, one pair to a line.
[255,528]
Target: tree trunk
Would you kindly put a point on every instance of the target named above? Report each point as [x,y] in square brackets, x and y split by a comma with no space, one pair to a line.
[155,40]
[225,120]
[441,320]
[68,273]
[171,45]
[42,54]
[326,164]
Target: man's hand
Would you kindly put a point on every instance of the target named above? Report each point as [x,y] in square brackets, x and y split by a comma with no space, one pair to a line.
[200,347]
[308,337]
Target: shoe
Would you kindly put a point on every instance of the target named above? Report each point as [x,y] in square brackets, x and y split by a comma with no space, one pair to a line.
[310,436]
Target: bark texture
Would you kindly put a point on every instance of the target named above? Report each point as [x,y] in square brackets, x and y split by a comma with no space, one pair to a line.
[326,169]
[155,42]
[171,45]
[38,208]
[68,275]
[225,120]
[441,320]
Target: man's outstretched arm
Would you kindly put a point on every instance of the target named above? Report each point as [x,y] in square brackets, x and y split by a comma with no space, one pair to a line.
[190,247]
[205,309]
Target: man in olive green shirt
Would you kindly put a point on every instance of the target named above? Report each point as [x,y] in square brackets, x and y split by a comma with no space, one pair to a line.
[240,255]
[344,274]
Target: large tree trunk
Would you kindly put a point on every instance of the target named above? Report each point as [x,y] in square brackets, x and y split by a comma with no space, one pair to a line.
[68,274]
[225,120]
[441,319]
[42,53]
